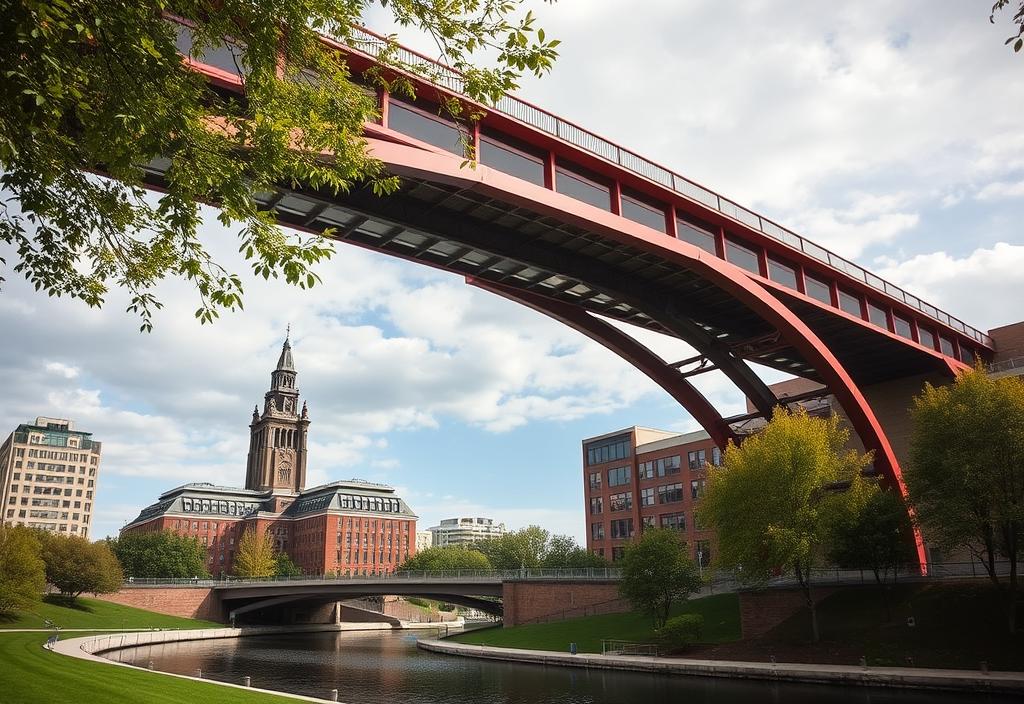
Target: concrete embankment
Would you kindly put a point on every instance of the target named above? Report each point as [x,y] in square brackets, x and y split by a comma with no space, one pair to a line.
[899,677]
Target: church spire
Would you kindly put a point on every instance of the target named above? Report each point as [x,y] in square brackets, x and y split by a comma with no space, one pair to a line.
[285,362]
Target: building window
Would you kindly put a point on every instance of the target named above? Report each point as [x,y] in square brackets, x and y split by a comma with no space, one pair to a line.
[696,459]
[595,480]
[647,521]
[597,531]
[697,235]
[647,496]
[667,465]
[608,450]
[716,456]
[670,493]
[673,521]
[782,273]
[646,470]
[596,505]
[618,553]
[618,476]
[697,488]
[818,290]
[703,552]
[742,256]
[635,209]
[620,502]
[622,528]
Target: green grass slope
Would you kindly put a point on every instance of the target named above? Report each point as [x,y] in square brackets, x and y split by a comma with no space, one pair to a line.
[721,624]
[94,613]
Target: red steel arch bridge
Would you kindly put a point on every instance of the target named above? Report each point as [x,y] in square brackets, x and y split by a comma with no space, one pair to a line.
[560,220]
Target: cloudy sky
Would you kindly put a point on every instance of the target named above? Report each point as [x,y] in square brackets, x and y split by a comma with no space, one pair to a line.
[889,132]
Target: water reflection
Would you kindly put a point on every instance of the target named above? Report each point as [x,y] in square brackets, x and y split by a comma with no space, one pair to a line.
[387,668]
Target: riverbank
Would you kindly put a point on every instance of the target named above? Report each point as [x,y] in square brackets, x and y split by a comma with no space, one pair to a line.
[892,677]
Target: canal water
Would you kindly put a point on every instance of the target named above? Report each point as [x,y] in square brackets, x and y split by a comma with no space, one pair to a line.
[380,667]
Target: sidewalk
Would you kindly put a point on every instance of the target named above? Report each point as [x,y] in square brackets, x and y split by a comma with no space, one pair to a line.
[900,677]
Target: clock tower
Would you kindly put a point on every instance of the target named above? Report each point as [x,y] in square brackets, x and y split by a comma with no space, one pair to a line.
[277,436]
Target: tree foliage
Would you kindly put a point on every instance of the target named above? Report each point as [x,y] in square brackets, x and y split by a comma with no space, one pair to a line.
[160,554]
[75,566]
[22,570]
[533,547]
[100,86]
[284,566]
[1016,39]
[878,537]
[966,472]
[657,572]
[778,496]
[255,555]
[451,557]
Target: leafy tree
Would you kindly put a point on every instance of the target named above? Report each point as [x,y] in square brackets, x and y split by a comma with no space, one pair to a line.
[564,552]
[777,498]
[451,557]
[284,566]
[520,549]
[255,555]
[657,572]
[966,472]
[101,86]
[160,554]
[74,565]
[22,570]
[878,537]
[1016,39]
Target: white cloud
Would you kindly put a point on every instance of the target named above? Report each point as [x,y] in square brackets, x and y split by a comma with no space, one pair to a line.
[999,190]
[63,370]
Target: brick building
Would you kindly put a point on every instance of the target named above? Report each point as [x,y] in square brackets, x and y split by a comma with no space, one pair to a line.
[347,527]
[48,475]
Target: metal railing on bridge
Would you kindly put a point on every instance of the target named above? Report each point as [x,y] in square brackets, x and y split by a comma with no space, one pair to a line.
[488,576]
[374,45]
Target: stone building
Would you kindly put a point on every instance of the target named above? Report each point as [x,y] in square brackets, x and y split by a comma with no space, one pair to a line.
[48,475]
[344,527]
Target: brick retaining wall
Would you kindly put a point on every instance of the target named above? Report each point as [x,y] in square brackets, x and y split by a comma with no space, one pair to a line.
[187,602]
[761,611]
[539,602]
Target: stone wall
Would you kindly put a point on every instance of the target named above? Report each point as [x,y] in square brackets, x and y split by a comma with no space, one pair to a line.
[540,602]
[187,602]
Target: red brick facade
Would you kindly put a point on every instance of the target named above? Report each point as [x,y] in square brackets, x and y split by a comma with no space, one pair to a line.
[540,602]
[187,602]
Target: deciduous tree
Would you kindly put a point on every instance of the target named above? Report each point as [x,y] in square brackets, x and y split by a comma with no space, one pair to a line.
[657,572]
[778,496]
[101,86]
[255,555]
[966,472]
[516,550]
[22,570]
[452,557]
[160,554]
[75,566]
[284,566]
[563,552]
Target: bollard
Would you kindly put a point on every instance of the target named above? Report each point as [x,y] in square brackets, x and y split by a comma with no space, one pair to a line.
[863,662]
[247,681]
[983,666]
[199,673]
[334,695]
[150,664]
[572,648]
[771,658]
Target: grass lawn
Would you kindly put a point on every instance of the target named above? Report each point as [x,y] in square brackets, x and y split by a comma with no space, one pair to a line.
[31,675]
[957,624]
[721,624]
[94,613]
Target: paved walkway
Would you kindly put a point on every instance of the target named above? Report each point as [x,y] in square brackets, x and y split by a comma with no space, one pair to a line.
[906,677]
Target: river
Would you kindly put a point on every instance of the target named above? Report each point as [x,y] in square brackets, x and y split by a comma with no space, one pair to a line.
[382,667]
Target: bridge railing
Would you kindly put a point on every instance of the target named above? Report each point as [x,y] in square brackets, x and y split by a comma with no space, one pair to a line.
[376,46]
[489,576]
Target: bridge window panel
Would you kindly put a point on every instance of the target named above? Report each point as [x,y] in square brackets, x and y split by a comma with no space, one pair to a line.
[697,235]
[638,210]
[849,303]
[818,290]
[903,327]
[876,315]
[946,347]
[782,273]
[742,256]
[925,336]
[498,154]
[967,355]
[574,184]
[424,127]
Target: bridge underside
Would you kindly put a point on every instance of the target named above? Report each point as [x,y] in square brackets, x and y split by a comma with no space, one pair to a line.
[575,262]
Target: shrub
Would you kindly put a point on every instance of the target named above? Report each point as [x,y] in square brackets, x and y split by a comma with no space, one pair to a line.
[680,632]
